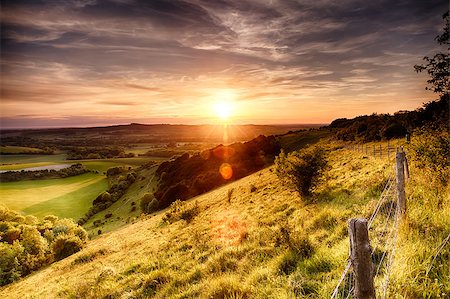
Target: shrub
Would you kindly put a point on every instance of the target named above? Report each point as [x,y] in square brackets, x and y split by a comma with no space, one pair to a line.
[301,170]
[148,203]
[179,210]
[430,150]
[65,245]
[26,244]
[9,262]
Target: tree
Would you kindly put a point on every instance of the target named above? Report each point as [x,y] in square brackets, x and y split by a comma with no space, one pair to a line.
[438,65]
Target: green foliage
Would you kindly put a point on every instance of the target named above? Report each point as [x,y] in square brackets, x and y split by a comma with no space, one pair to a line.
[148,203]
[27,244]
[113,194]
[188,176]
[65,245]
[10,269]
[430,150]
[14,176]
[301,170]
[438,65]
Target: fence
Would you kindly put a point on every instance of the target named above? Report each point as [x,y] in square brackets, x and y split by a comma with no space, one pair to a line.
[377,150]
[367,271]
[368,268]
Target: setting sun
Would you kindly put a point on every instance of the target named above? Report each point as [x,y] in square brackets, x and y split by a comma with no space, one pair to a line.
[224,104]
[223,110]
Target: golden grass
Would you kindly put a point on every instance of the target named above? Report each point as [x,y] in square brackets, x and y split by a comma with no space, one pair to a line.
[250,243]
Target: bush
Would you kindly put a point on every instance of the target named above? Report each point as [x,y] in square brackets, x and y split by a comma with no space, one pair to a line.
[148,203]
[9,262]
[301,170]
[27,244]
[430,150]
[179,210]
[65,245]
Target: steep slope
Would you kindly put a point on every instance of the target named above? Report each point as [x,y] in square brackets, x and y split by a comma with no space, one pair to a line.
[252,238]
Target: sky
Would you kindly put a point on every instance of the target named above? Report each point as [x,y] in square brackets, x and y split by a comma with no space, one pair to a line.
[101,62]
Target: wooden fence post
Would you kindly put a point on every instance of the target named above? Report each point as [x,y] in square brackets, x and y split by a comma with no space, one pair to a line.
[406,166]
[401,196]
[360,256]
[374,150]
[388,151]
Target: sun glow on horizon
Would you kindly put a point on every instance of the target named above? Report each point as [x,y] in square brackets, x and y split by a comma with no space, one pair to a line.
[224,105]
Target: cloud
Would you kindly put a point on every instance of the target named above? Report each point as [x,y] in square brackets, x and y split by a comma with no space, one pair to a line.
[162,56]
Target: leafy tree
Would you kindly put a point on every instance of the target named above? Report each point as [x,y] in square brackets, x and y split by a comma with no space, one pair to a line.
[438,65]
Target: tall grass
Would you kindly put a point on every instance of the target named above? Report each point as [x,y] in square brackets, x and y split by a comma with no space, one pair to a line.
[263,243]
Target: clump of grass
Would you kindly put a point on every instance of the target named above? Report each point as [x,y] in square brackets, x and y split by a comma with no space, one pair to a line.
[325,220]
[297,242]
[90,256]
[301,286]
[180,210]
[288,262]
[318,264]
[228,286]
[155,281]
[230,194]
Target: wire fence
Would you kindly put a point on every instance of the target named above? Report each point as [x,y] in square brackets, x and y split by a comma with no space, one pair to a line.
[382,229]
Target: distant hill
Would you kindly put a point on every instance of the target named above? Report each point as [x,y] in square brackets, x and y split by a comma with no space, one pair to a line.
[142,133]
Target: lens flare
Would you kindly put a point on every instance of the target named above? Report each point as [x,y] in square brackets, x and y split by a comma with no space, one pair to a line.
[228,228]
[226,171]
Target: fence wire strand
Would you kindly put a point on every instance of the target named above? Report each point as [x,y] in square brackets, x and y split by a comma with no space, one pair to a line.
[383,231]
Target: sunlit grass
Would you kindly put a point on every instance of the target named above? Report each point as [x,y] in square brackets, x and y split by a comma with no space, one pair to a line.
[269,256]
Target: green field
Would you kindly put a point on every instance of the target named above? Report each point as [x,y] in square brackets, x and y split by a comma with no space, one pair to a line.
[102,165]
[16,161]
[67,198]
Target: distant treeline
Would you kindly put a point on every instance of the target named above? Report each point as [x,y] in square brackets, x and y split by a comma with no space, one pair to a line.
[120,179]
[32,150]
[106,152]
[14,176]
[188,176]
[384,126]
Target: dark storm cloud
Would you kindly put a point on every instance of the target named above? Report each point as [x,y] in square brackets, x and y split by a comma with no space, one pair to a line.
[53,50]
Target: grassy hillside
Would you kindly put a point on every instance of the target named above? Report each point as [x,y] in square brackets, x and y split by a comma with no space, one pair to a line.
[126,209]
[257,239]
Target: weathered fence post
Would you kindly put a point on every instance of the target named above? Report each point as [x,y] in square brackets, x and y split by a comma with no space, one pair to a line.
[360,256]
[381,151]
[401,196]
[388,151]
[374,150]
[406,166]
